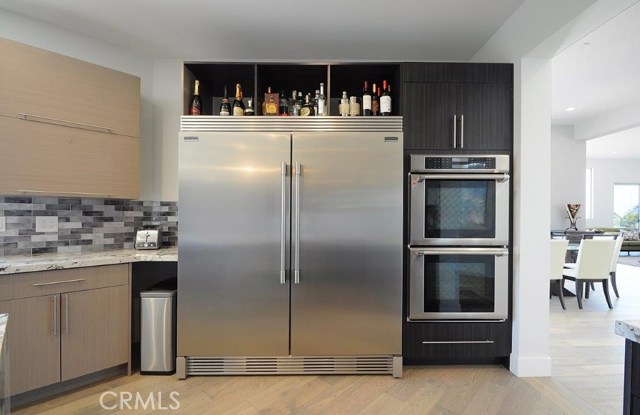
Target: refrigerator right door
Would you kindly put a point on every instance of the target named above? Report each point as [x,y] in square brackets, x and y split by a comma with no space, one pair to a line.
[346,295]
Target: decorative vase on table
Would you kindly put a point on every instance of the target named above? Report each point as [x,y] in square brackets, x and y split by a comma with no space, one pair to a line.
[572,215]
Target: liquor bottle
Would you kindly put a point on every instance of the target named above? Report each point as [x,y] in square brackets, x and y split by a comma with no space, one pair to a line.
[366,99]
[249,110]
[315,101]
[284,105]
[196,103]
[375,101]
[354,107]
[225,106]
[385,100]
[344,104]
[293,111]
[322,102]
[238,105]
[307,109]
[270,102]
[299,102]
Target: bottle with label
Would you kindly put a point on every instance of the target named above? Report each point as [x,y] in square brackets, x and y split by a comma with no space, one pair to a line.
[196,104]
[307,109]
[293,111]
[225,106]
[344,104]
[249,110]
[315,101]
[270,103]
[385,100]
[354,107]
[238,105]
[366,99]
[284,105]
[299,102]
[322,101]
[375,101]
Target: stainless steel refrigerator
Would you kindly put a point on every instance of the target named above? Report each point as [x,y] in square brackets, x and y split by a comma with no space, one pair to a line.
[290,245]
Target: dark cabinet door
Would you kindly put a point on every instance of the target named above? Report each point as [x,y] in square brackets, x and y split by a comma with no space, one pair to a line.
[428,110]
[485,116]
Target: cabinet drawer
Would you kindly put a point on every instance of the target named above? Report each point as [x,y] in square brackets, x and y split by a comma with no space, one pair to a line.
[33,284]
[456,341]
[57,160]
[38,82]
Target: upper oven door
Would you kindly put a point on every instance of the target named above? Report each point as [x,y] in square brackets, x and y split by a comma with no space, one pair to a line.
[459,209]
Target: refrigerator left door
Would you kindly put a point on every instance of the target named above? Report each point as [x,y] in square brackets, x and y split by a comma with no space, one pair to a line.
[233,283]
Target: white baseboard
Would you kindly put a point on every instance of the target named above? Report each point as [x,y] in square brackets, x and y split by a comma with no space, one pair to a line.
[524,367]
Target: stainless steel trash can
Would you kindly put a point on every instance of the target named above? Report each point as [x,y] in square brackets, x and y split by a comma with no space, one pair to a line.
[157,332]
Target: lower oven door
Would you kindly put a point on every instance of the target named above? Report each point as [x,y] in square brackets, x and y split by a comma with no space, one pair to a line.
[458,283]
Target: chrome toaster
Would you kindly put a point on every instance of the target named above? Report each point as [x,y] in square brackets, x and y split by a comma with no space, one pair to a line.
[149,237]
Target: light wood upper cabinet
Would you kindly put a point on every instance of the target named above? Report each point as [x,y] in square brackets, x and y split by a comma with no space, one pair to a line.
[67,127]
[45,84]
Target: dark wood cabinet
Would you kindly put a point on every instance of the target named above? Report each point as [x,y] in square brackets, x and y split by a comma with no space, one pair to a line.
[456,342]
[474,113]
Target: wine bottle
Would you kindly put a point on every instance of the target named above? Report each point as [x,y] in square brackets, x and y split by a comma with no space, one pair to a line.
[249,110]
[322,101]
[284,105]
[196,103]
[375,101]
[385,100]
[366,99]
[344,104]
[225,106]
[307,109]
[238,105]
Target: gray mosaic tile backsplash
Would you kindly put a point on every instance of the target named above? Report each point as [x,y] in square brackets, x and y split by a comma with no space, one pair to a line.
[83,224]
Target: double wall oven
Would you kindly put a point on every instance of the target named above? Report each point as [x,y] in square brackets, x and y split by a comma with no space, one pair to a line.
[458,237]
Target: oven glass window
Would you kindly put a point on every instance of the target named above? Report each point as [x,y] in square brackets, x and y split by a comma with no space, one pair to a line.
[460,209]
[459,283]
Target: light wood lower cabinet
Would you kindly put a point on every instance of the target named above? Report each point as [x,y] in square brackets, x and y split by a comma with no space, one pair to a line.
[82,328]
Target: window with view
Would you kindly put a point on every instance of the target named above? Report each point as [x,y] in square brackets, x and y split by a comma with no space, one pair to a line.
[626,199]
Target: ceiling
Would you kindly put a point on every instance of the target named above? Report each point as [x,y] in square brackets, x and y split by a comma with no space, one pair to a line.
[600,75]
[261,30]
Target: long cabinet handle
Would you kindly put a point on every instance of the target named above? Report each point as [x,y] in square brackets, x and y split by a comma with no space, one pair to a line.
[283,223]
[455,127]
[499,177]
[460,342]
[56,192]
[42,284]
[459,251]
[296,271]
[462,131]
[65,123]
[55,315]
[65,297]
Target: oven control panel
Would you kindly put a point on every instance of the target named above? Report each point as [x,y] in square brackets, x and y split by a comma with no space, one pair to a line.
[460,163]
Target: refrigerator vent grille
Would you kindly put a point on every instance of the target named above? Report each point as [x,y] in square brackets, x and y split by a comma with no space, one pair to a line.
[290,124]
[289,365]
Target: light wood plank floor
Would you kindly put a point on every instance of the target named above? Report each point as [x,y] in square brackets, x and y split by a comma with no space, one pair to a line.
[587,379]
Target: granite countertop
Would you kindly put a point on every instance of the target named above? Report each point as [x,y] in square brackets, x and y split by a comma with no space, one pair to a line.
[45,262]
[629,329]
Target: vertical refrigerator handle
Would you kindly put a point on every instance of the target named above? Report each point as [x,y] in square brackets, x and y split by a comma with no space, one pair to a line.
[283,223]
[462,131]
[455,126]
[296,269]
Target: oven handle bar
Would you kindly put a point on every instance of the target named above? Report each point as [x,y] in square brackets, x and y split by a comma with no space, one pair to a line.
[459,251]
[499,177]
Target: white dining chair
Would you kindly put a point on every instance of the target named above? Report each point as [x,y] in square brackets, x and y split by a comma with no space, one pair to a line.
[614,264]
[558,253]
[593,265]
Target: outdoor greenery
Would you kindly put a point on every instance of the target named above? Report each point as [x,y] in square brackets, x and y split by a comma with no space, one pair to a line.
[629,220]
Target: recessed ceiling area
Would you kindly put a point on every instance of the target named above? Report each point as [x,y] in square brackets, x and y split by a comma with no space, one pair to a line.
[261,30]
[622,145]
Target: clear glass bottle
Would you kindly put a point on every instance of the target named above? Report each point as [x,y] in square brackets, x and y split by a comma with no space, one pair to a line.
[284,105]
[322,102]
[299,102]
[344,104]
[249,110]
[307,109]
[293,111]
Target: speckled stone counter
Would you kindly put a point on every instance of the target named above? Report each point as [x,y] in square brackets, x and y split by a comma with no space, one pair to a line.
[47,262]
[630,330]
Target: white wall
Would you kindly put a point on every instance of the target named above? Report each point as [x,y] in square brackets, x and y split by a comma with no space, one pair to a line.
[568,164]
[606,173]
[35,33]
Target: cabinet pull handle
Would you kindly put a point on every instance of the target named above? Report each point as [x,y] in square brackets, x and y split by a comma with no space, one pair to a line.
[462,131]
[296,271]
[64,193]
[455,126]
[460,342]
[42,284]
[55,315]
[66,313]
[65,123]
[283,222]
